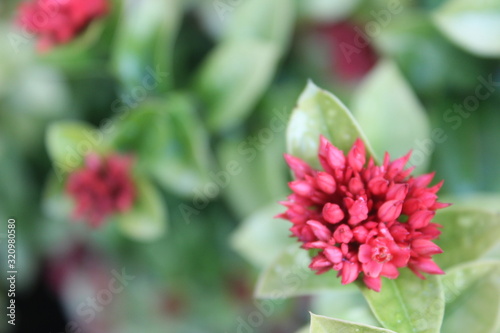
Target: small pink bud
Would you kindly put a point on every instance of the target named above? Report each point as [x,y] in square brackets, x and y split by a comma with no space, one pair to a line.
[423,180]
[343,234]
[390,210]
[357,156]
[397,192]
[319,262]
[333,254]
[326,182]
[425,265]
[334,156]
[378,186]
[320,230]
[332,213]
[356,186]
[358,211]
[360,234]
[373,283]
[299,167]
[425,247]
[350,272]
[421,218]
[412,205]
[301,187]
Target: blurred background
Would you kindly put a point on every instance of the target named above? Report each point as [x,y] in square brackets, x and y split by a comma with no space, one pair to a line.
[199,92]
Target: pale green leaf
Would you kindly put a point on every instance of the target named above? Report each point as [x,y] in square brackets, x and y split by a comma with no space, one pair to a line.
[144,42]
[182,166]
[271,235]
[254,170]
[391,115]
[479,200]
[304,329]
[68,142]
[467,234]
[471,24]
[321,324]
[141,131]
[232,79]
[344,305]
[289,276]
[472,294]
[408,304]
[147,220]
[270,21]
[55,204]
[319,112]
[326,10]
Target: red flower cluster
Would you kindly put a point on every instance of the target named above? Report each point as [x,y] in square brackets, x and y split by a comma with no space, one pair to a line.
[351,53]
[363,218]
[102,187]
[59,21]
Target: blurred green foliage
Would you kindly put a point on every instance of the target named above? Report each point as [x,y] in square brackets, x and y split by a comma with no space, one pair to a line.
[200,91]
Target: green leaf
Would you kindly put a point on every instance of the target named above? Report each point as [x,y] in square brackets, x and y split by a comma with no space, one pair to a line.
[232,79]
[321,324]
[147,220]
[467,234]
[270,21]
[261,228]
[472,294]
[479,200]
[326,11]
[408,304]
[344,305]
[142,56]
[169,141]
[69,141]
[472,25]
[55,204]
[185,158]
[289,276]
[141,131]
[259,176]
[320,112]
[391,115]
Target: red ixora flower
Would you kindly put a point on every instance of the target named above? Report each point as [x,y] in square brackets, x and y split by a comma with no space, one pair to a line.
[59,21]
[104,186]
[366,220]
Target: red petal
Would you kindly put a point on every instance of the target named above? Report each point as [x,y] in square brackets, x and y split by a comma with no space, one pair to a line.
[373,283]
[350,272]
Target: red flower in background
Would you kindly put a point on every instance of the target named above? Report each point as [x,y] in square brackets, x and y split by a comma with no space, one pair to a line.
[363,218]
[59,21]
[104,186]
[350,50]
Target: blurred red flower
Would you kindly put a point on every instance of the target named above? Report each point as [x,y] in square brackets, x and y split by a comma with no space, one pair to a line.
[352,55]
[104,186]
[59,21]
[362,217]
